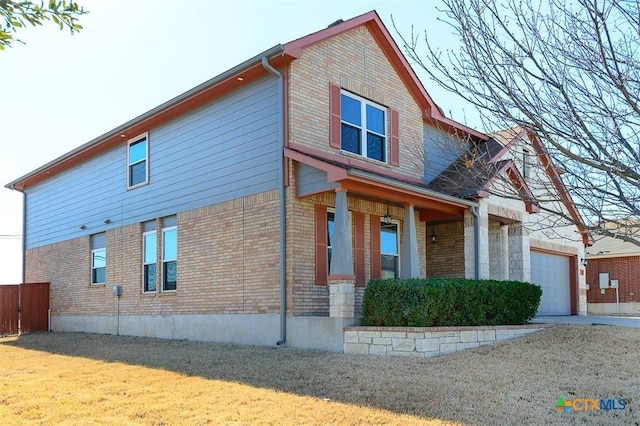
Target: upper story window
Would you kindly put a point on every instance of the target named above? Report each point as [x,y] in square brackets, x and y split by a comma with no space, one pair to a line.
[98,259]
[364,127]
[526,164]
[138,161]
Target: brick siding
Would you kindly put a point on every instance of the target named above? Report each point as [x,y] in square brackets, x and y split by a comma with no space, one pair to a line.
[624,269]
[354,61]
[445,257]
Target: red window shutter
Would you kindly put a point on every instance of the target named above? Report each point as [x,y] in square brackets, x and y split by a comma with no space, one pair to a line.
[375,247]
[335,121]
[394,159]
[321,244]
[358,219]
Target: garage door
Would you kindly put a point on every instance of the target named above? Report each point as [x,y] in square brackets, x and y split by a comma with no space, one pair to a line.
[551,272]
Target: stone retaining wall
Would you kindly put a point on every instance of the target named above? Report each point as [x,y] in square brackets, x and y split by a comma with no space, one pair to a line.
[429,342]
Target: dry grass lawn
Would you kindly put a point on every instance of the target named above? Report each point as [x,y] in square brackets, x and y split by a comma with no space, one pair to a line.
[70,378]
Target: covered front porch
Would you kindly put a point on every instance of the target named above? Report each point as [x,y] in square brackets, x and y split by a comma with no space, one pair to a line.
[366,226]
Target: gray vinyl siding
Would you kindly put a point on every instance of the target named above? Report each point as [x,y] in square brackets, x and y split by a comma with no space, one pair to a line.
[222,151]
[440,150]
[312,181]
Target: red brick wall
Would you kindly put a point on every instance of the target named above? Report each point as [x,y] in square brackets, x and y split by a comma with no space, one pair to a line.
[624,269]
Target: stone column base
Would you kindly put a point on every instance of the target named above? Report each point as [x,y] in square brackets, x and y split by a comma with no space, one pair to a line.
[341,298]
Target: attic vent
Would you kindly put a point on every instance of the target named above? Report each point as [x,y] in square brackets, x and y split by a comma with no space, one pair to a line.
[339,21]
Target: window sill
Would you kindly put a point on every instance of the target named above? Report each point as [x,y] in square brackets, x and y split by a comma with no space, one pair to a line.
[168,293]
[97,285]
[139,185]
[365,159]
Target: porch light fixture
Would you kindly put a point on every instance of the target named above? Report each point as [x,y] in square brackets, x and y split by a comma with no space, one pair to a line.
[584,262]
[433,234]
[387,217]
[83,227]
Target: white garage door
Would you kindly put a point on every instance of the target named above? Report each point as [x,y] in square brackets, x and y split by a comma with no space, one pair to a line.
[551,272]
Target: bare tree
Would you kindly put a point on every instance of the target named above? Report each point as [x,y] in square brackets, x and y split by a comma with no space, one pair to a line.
[569,72]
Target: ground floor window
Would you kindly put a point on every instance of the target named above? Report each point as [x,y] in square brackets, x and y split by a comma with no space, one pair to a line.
[389,254]
[160,274]
[169,254]
[330,229]
[149,256]
[98,259]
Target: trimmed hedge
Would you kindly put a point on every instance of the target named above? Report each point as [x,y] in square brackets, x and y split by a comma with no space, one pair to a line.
[432,302]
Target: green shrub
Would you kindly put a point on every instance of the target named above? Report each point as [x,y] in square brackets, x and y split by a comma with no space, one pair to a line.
[449,302]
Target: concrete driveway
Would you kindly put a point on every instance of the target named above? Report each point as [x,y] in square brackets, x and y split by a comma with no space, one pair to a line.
[590,320]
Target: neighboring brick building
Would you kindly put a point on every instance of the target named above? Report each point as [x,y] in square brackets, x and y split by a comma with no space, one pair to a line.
[255,207]
[613,277]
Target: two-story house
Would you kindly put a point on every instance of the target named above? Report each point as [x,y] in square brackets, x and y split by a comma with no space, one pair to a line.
[255,207]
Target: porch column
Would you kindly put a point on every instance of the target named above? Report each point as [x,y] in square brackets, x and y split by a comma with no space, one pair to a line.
[341,249]
[483,244]
[504,251]
[409,261]
[519,253]
[341,278]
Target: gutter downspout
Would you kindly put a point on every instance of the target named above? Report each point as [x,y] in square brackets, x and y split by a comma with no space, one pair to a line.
[281,194]
[476,241]
[24,231]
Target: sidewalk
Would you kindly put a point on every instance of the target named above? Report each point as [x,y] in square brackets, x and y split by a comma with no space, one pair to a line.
[590,320]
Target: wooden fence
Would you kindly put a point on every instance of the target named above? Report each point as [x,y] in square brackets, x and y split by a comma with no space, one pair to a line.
[24,308]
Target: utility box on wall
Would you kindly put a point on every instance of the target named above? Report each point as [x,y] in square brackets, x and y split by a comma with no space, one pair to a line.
[604,280]
[117,290]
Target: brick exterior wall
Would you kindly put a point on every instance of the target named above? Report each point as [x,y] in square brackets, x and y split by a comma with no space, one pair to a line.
[305,297]
[227,263]
[445,257]
[624,269]
[354,61]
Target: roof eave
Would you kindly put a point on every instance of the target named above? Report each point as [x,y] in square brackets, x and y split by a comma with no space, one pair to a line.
[424,191]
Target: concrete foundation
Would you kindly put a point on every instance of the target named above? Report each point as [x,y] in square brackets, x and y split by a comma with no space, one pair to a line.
[305,332]
[631,308]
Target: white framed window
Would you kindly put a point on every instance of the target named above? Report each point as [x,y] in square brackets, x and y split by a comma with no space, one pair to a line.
[149,257]
[138,161]
[364,127]
[169,253]
[389,249]
[98,259]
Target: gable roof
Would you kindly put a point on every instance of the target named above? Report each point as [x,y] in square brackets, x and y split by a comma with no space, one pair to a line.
[608,247]
[430,111]
[250,70]
[472,173]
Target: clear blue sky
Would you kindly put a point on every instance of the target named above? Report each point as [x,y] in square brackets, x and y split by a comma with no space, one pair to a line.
[60,91]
